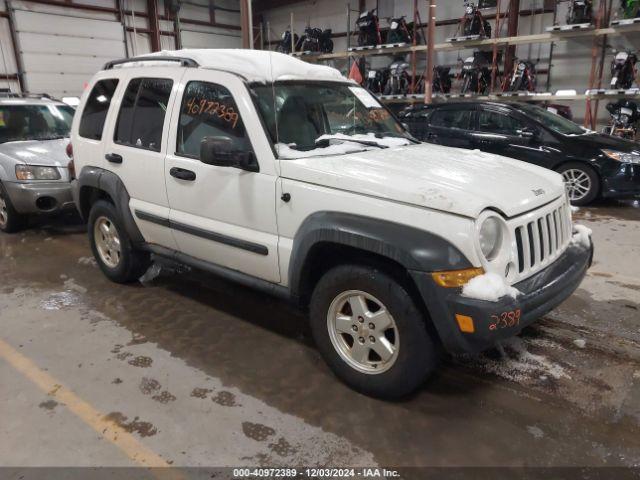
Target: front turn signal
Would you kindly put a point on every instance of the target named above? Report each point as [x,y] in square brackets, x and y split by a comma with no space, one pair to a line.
[456,278]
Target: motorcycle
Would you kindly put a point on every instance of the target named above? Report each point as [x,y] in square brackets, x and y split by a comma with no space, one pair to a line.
[368,29]
[623,70]
[476,75]
[399,81]
[441,79]
[580,11]
[315,40]
[630,8]
[400,31]
[473,23]
[523,78]
[285,43]
[624,119]
[376,80]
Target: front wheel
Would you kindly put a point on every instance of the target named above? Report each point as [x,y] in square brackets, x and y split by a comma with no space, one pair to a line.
[10,220]
[370,332]
[111,246]
[582,182]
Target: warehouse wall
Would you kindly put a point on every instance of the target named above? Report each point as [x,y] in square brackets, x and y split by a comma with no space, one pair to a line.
[571,60]
[62,47]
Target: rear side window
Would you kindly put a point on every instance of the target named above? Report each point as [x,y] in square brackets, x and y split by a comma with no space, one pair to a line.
[451,119]
[493,122]
[142,112]
[95,110]
[208,110]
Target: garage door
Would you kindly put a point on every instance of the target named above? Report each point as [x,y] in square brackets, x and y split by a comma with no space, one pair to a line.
[60,61]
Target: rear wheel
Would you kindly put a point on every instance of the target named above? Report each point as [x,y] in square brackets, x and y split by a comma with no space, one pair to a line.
[582,182]
[10,220]
[370,332]
[111,246]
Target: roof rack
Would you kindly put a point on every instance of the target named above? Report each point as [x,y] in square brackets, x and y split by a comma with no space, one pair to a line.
[4,93]
[184,61]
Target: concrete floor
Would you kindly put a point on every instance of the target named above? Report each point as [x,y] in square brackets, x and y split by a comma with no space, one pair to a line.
[188,370]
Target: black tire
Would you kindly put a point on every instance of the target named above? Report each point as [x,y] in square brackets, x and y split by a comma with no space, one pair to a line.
[11,221]
[594,189]
[132,263]
[417,355]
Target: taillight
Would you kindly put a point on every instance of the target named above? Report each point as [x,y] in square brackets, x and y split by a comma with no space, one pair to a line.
[69,150]
[72,169]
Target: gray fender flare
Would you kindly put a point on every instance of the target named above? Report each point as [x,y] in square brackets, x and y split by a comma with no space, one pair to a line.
[414,249]
[111,184]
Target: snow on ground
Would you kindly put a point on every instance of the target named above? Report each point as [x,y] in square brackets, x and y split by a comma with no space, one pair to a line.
[489,286]
[580,342]
[582,236]
[517,364]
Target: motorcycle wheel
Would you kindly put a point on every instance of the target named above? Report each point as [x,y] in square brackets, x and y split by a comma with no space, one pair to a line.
[362,39]
[516,84]
[466,84]
[467,28]
[487,29]
[328,46]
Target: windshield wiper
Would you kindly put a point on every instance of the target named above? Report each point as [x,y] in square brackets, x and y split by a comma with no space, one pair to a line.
[325,140]
[50,137]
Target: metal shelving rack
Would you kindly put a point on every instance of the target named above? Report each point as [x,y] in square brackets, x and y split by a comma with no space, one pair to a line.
[594,93]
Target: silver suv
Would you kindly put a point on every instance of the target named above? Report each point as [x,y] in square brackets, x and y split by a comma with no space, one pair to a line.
[34,174]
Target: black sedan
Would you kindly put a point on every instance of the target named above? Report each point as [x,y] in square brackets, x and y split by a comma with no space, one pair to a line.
[592,164]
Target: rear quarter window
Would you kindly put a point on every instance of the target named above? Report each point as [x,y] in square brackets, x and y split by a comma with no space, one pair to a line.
[142,113]
[95,110]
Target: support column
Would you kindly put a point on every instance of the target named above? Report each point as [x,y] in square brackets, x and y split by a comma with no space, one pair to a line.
[245,23]
[154,25]
[512,31]
[431,31]
[17,52]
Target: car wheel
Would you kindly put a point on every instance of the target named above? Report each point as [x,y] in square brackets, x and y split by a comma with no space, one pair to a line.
[10,220]
[582,183]
[111,245]
[370,332]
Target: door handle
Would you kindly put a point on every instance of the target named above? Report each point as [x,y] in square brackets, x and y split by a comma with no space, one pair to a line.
[113,158]
[182,174]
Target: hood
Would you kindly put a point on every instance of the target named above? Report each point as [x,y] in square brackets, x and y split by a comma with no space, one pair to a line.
[464,182]
[589,145]
[37,152]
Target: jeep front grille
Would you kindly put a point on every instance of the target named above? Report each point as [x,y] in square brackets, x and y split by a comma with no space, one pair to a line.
[540,237]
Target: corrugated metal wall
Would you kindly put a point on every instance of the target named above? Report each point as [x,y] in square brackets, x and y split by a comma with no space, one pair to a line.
[62,47]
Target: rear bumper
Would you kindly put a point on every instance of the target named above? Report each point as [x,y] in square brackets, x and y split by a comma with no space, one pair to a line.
[493,321]
[39,197]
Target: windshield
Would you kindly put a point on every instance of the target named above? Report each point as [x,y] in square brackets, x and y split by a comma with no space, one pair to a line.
[552,121]
[308,119]
[34,122]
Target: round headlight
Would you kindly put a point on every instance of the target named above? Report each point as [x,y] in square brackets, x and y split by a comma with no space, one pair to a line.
[490,237]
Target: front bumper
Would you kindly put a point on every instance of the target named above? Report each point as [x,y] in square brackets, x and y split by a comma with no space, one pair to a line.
[493,321]
[39,197]
[621,180]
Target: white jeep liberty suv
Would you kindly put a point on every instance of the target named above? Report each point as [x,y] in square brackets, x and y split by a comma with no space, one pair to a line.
[288,177]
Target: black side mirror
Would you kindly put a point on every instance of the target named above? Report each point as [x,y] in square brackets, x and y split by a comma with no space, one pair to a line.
[220,151]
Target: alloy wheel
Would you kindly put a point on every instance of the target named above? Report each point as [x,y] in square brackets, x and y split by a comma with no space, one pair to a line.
[578,183]
[4,213]
[107,242]
[363,332]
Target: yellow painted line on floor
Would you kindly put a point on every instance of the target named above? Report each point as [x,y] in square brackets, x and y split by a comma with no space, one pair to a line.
[110,431]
